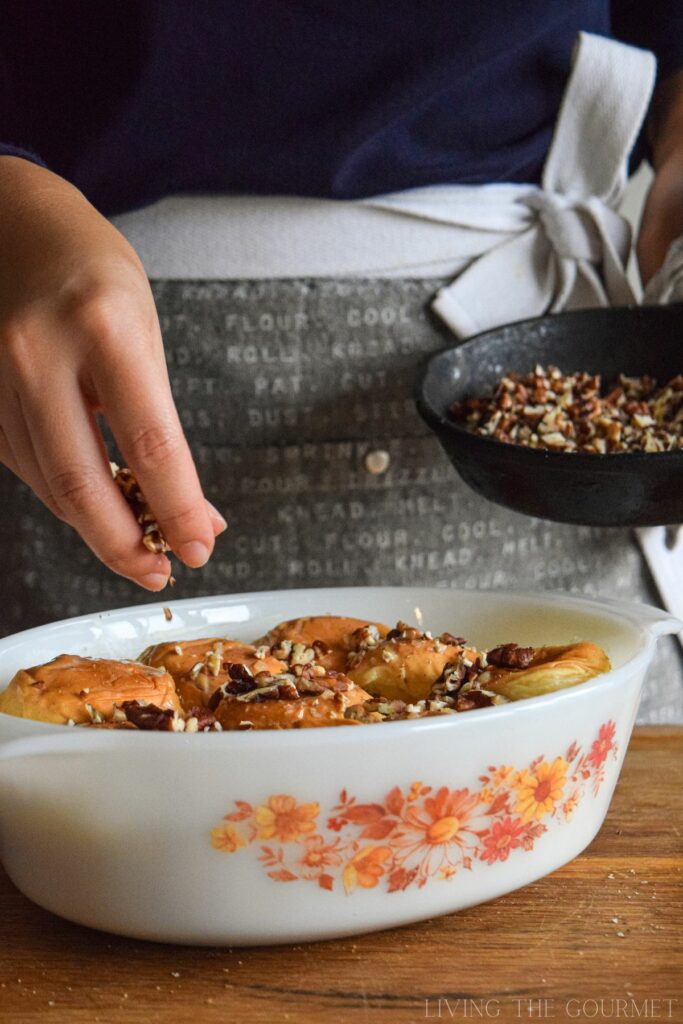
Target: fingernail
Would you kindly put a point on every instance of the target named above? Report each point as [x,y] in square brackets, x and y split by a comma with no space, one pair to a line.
[154,581]
[194,553]
[217,517]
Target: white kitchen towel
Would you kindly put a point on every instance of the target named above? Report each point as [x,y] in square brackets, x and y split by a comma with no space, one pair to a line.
[517,250]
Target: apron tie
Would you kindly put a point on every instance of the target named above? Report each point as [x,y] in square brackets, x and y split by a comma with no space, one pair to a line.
[574,251]
[518,250]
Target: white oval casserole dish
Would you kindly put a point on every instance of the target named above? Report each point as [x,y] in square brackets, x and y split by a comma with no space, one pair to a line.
[271,837]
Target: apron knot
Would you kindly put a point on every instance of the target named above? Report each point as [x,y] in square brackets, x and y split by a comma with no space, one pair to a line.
[567,225]
[572,253]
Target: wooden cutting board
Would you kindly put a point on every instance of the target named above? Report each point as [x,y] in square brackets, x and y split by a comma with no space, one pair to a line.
[598,940]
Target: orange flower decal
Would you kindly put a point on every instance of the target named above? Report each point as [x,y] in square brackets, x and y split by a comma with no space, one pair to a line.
[500,775]
[282,818]
[419,832]
[503,837]
[539,790]
[366,868]
[319,855]
[569,806]
[443,815]
[602,746]
[227,838]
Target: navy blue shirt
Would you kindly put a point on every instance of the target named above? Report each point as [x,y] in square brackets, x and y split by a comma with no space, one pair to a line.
[132,100]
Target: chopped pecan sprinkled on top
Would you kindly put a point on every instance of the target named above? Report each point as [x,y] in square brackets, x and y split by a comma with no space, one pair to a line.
[457,689]
[96,717]
[367,638]
[308,680]
[467,681]
[152,537]
[241,681]
[377,710]
[238,672]
[283,650]
[405,632]
[214,658]
[510,656]
[454,641]
[568,412]
[247,688]
[148,716]
[364,638]
[451,679]
[205,719]
[473,699]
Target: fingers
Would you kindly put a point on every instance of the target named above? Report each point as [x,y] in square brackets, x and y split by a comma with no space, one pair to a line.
[63,435]
[19,457]
[218,522]
[16,452]
[6,456]
[137,402]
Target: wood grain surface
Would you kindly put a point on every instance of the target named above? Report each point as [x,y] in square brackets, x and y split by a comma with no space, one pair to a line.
[599,939]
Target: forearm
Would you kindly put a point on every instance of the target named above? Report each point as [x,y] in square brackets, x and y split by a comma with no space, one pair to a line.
[662,220]
[665,122]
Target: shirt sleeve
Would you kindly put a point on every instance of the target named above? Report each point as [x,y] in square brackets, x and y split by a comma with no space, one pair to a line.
[655,25]
[8,149]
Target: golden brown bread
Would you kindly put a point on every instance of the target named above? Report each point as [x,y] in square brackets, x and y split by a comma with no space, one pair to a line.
[325,708]
[199,666]
[550,669]
[404,665]
[214,683]
[331,636]
[84,690]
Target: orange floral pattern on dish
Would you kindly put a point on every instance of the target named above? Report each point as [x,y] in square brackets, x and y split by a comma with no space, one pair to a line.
[420,833]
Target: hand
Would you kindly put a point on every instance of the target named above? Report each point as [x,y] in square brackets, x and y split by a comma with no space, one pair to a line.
[662,220]
[79,335]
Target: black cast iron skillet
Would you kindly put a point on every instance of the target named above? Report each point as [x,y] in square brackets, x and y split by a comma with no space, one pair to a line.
[628,489]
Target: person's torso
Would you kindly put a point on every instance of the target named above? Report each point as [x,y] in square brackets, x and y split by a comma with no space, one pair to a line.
[133,101]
